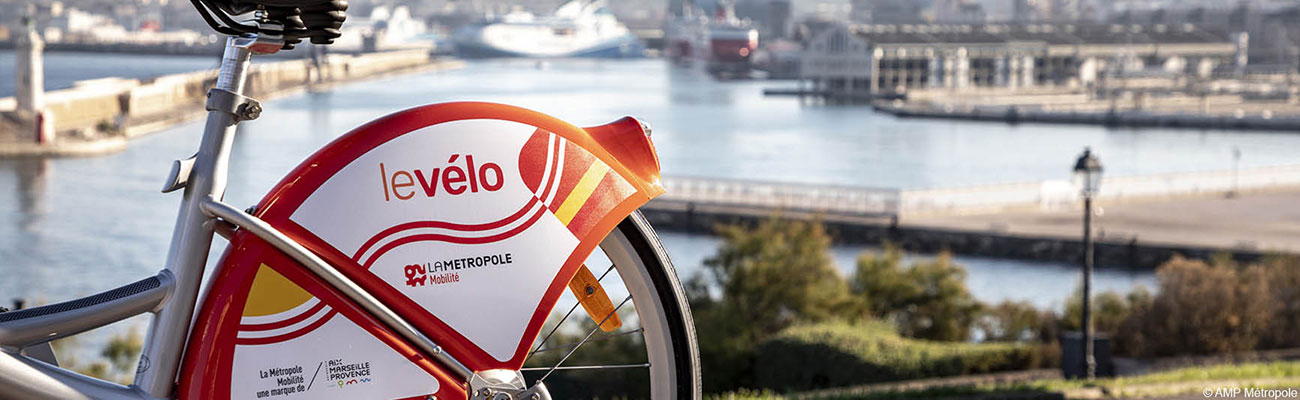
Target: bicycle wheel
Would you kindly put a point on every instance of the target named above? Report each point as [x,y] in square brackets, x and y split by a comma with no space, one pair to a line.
[663,325]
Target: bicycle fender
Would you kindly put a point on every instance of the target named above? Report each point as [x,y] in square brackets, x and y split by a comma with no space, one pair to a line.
[467,219]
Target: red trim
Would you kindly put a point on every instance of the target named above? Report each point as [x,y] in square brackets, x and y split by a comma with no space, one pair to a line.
[210,351]
[207,368]
[443,225]
[287,336]
[280,324]
[319,167]
[452,239]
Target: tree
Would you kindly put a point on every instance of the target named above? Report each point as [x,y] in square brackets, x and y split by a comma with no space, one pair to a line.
[1284,279]
[927,300]
[1013,321]
[769,277]
[1202,309]
[776,274]
[1109,309]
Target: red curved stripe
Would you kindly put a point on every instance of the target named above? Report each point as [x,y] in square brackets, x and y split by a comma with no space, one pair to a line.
[443,225]
[452,239]
[280,324]
[287,336]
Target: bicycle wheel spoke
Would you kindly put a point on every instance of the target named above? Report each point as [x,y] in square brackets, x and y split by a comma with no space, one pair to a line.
[585,339]
[566,317]
[603,337]
[582,367]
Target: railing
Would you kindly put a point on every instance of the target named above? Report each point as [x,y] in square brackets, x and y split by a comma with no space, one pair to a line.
[783,196]
[1044,195]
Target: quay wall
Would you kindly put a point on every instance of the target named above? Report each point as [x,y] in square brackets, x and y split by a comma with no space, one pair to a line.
[668,215]
[88,108]
[872,215]
[1163,118]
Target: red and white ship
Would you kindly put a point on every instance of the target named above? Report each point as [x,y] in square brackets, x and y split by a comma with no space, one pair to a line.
[721,42]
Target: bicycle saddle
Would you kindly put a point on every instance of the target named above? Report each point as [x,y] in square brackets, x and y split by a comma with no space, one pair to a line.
[294,20]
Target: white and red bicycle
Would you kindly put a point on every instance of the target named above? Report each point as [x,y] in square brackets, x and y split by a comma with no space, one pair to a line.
[418,256]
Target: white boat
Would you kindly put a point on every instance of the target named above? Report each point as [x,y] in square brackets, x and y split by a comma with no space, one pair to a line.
[387,28]
[580,28]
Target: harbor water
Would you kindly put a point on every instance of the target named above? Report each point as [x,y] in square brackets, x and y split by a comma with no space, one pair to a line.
[75,226]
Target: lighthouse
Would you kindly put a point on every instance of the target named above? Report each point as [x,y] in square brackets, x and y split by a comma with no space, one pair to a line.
[30,68]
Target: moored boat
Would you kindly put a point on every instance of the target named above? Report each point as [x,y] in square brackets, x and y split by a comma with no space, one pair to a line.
[580,28]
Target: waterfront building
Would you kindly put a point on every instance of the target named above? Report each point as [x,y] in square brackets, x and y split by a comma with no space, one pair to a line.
[872,60]
[959,12]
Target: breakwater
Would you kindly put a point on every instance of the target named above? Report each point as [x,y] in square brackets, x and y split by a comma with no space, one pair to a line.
[99,115]
[161,48]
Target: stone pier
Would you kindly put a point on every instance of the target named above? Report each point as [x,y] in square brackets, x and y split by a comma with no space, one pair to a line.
[99,116]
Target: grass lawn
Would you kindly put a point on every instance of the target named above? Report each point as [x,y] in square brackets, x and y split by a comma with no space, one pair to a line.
[1186,381]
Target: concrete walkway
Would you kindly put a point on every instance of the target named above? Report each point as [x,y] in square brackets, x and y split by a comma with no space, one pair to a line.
[1267,221]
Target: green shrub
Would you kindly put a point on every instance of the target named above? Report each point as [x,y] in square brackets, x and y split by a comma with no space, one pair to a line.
[770,276]
[1109,310]
[1012,321]
[778,273]
[1203,309]
[839,354]
[927,300]
[746,394]
[1283,275]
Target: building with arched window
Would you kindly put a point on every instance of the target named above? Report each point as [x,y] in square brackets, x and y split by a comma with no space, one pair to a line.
[876,60]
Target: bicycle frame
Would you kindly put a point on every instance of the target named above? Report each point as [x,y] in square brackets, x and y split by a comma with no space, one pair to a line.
[172,295]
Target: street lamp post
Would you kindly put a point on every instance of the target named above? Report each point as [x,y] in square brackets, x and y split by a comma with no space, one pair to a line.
[1087,173]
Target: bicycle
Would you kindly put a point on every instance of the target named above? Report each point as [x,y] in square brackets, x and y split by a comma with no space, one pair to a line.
[376,269]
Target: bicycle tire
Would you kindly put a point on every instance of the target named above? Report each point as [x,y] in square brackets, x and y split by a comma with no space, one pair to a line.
[653,266]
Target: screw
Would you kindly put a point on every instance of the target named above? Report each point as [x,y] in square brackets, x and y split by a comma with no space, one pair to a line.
[485,392]
[249,111]
[645,128]
[591,290]
[534,396]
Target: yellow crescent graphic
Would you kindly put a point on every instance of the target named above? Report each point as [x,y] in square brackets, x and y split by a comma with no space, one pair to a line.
[272,293]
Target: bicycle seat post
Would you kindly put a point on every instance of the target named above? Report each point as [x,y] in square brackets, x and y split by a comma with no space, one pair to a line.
[202,176]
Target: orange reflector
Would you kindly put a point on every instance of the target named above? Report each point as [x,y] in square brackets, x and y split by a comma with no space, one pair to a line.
[593,299]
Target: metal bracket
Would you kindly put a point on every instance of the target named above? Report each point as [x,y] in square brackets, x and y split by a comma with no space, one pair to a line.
[501,384]
[243,108]
[180,174]
[42,352]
